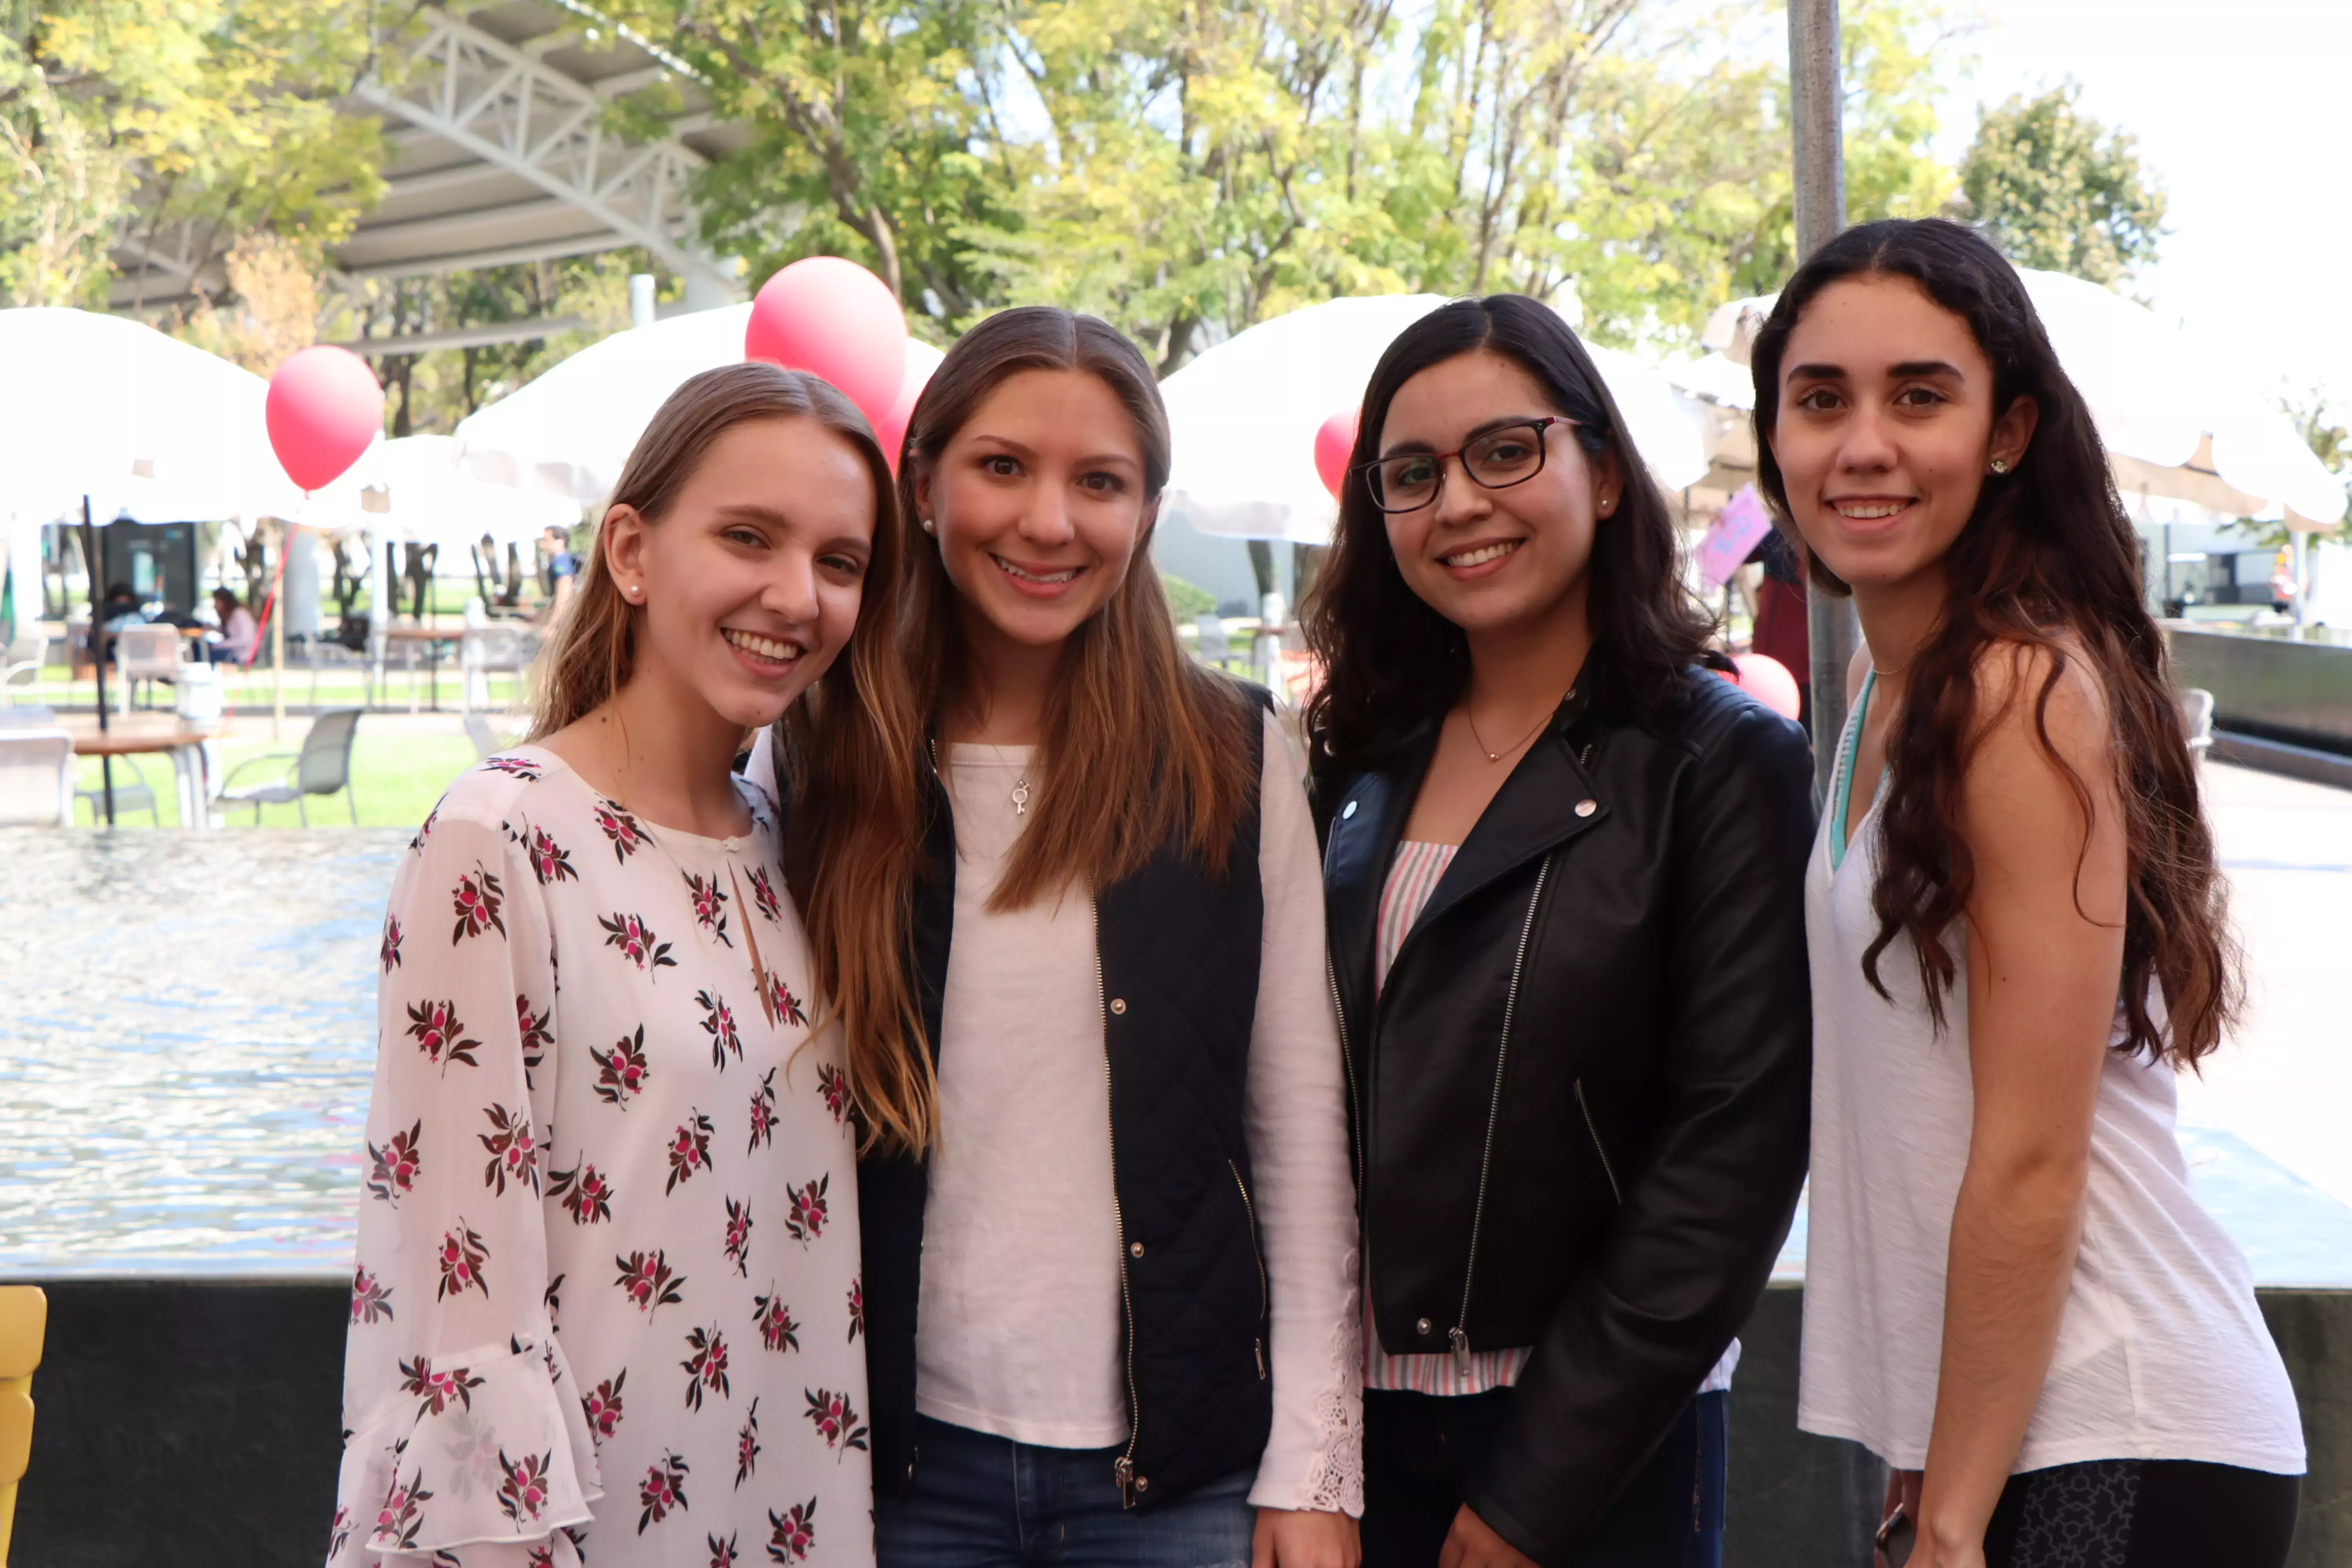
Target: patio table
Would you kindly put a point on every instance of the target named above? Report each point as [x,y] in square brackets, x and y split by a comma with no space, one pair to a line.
[131,734]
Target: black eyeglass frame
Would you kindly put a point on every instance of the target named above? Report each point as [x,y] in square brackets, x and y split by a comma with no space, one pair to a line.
[1541,426]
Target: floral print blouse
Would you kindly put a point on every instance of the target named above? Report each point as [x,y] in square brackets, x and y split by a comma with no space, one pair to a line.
[606,1305]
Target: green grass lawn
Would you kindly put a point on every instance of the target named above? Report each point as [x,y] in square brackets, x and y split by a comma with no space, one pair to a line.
[395,778]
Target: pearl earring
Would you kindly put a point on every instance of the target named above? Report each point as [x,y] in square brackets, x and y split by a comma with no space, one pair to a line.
[926,526]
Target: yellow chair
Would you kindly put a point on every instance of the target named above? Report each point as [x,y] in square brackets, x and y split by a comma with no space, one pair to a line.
[24,1313]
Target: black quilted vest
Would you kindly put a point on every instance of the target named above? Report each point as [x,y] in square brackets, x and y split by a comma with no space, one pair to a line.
[1180,972]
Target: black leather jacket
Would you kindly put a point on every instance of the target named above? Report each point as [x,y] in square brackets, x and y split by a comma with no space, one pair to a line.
[1581,1101]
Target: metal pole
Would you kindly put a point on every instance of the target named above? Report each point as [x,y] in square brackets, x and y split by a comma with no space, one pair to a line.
[97,650]
[1817,100]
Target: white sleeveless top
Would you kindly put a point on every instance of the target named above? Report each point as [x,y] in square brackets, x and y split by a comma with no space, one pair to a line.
[2162,1353]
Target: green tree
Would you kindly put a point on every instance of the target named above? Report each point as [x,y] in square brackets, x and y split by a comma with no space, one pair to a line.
[2057,190]
[2328,439]
[123,116]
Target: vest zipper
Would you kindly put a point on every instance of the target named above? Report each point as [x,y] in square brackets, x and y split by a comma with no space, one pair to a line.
[1460,1335]
[1264,1296]
[1594,1129]
[1123,1469]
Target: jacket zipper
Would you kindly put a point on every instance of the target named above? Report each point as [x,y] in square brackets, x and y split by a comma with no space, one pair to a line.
[1594,1129]
[1460,1335]
[1257,1255]
[1123,1469]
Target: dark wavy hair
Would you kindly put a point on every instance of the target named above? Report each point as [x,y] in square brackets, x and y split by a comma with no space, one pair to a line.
[2048,563]
[1391,663]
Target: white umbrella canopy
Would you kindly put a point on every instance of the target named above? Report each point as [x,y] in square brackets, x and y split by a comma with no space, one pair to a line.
[568,432]
[96,404]
[1245,414]
[2176,420]
[412,491]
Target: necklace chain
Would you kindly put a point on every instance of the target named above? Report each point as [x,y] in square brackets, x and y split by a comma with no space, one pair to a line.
[1471,719]
[1020,782]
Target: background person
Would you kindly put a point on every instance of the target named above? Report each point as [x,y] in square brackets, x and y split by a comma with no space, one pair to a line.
[606,1303]
[239,633]
[2012,1294]
[1073,922]
[1564,867]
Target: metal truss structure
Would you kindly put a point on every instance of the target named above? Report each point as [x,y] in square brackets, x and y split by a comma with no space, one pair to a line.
[499,124]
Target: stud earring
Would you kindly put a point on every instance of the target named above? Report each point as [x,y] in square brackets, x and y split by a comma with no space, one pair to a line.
[2001,464]
[926,526]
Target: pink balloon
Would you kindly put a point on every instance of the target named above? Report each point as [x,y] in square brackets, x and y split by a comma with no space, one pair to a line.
[1333,445]
[1768,680]
[892,428]
[833,318]
[324,408]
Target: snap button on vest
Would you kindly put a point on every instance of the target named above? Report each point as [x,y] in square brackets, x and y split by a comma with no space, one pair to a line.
[1135,1249]
[1348,810]
[1587,807]
[1118,1004]
[1143,1483]
[1422,1327]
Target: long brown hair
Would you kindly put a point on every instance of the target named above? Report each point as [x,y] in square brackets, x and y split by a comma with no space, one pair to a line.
[2049,561]
[1391,663]
[594,652]
[1142,747]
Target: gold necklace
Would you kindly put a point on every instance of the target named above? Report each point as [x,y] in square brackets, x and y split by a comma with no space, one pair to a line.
[1472,719]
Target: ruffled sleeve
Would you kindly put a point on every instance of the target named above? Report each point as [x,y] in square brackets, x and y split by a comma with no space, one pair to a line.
[1295,1118]
[465,1434]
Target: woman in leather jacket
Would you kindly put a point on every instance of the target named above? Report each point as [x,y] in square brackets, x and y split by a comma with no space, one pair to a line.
[1564,872]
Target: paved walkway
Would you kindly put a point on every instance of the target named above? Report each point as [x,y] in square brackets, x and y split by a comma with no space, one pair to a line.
[2285,1082]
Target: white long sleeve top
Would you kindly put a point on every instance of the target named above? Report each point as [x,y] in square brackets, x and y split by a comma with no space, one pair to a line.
[1018,1322]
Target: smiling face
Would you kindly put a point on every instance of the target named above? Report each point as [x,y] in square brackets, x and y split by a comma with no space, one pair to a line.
[751,585]
[1488,560]
[1038,502]
[1887,429]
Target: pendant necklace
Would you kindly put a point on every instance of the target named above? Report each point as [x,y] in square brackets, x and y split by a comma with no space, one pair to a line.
[1019,782]
[1493,756]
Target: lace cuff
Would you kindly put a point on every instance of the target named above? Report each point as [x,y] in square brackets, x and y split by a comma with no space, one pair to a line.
[479,1448]
[1331,1474]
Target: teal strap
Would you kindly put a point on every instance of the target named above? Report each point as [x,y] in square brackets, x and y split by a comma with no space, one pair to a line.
[1852,749]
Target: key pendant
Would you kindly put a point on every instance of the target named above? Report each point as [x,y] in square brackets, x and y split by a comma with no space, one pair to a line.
[1019,797]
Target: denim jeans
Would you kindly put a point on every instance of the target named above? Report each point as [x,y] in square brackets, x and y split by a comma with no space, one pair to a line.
[981,1501]
[1420,1448]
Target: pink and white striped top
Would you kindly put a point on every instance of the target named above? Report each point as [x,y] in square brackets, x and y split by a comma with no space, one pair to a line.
[1414,876]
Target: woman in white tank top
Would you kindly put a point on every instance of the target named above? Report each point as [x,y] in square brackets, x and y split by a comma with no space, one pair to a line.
[2015,927]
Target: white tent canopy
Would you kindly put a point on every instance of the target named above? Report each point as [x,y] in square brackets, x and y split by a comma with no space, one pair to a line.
[1245,414]
[568,432]
[412,490]
[140,422]
[2176,419]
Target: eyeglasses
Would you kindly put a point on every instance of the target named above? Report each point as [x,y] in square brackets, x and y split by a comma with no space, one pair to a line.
[1510,455]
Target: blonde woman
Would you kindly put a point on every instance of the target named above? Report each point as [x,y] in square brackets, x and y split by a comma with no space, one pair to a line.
[607,1301]
[1075,925]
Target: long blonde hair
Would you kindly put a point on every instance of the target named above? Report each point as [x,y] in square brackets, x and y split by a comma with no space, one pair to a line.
[1143,747]
[594,650]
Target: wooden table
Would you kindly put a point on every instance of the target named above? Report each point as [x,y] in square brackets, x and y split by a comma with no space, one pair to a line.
[432,637]
[133,734]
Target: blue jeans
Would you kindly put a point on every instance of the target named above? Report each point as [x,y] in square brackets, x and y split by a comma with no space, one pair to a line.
[981,1501]
[1421,1449]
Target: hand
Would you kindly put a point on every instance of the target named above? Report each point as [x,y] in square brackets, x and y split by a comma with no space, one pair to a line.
[1303,1538]
[1471,1544]
[1903,1489]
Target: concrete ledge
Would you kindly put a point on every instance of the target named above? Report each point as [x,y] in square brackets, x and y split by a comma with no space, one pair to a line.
[195,1422]
[2281,757]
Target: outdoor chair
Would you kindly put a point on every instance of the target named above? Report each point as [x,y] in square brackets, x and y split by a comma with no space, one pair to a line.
[487,651]
[23,666]
[130,794]
[144,653]
[323,766]
[322,654]
[485,739]
[24,1317]
[2197,715]
[1214,648]
[36,791]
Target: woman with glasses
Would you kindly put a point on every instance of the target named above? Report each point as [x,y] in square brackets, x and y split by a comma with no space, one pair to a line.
[1564,874]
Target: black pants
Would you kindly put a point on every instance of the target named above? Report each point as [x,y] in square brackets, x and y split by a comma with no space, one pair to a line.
[1420,1448]
[2143,1514]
